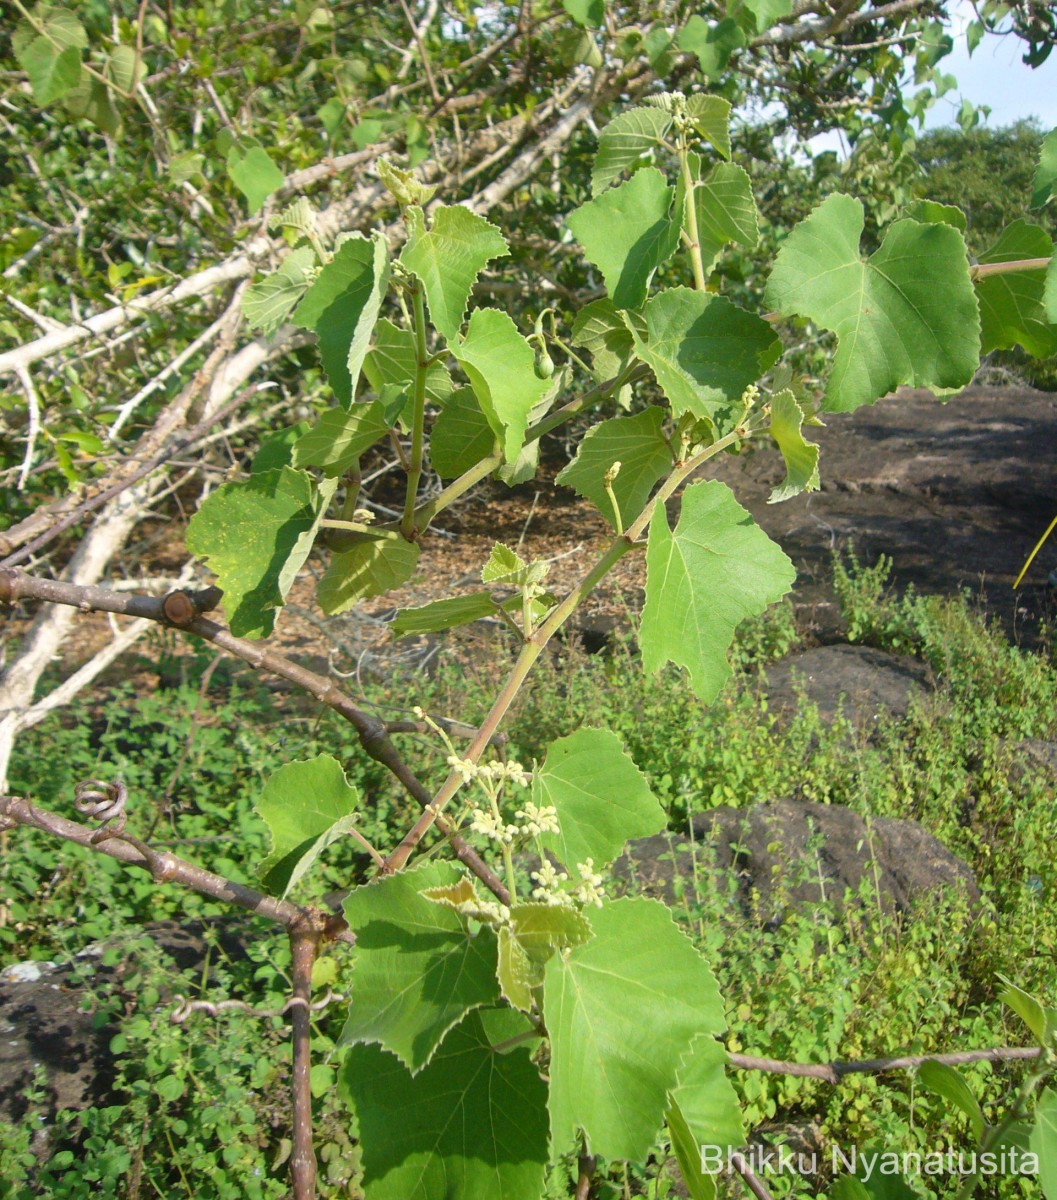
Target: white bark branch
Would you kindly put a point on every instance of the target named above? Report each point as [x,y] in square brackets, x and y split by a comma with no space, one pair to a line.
[200,284]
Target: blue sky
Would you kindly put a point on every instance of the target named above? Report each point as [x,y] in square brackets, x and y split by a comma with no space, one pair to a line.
[995,76]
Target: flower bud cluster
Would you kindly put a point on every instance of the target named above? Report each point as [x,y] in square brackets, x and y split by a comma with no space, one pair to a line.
[549,889]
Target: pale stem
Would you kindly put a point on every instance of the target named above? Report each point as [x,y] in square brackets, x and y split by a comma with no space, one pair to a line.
[533,648]
[696,261]
[414,470]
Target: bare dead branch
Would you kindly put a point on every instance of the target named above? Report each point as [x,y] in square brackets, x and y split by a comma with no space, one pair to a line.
[17,810]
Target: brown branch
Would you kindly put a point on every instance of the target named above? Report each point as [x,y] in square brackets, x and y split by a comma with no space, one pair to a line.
[833,1072]
[17,585]
[586,1167]
[166,867]
[752,1181]
[304,941]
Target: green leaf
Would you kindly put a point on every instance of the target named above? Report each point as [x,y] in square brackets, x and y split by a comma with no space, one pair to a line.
[688,1154]
[371,567]
[249,532]
[639,445]
[704,1118]
[543,929]
[602,799]
[254,174]
[1011,306]
[711,118]
[624,140]
[276,449]
[443,614]
[712,42]
[342,307]
[419,970]
[52,58]
[600,329]
[948,1083]
[1044,184]
[847,1187]
[1041,1021]
[506,566]
[931,212]
[471,1126]
[627,233]
[503,565]
[535,933]
[121,67]
[707,1098]
[638,973]
[448,258]
[726,212]
[391,361]
[907,315]
[268,302]
[516,974]
[306,806]
[766,13]
[801,457]
[1044,1141]
[297,220]
[461,436]
[586,12]
[91,100]
[705,351]
[716,569]
[339,437]
[498,361]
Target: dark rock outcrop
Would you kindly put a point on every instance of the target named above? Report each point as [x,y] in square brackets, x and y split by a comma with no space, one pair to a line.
[793,853]
[865,682]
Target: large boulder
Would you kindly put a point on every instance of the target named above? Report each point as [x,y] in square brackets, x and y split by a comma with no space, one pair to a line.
[793,853]
[864,683]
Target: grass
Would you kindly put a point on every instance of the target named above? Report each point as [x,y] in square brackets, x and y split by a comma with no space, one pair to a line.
[828,983]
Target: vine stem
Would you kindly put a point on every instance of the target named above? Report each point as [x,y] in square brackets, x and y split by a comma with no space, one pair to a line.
[535,645]
[166,867]
[373,735]
[833,1072]
[752,1181]
[418,429]
[700,282]
[983,270]
[304,941]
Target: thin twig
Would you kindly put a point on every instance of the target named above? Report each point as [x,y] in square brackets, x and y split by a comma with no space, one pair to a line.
[752,1180]
[17,810]
[33,405]
[833,1072]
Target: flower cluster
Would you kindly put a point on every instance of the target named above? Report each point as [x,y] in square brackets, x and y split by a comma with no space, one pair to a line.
[535,821]
[549,889]
[548,884]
